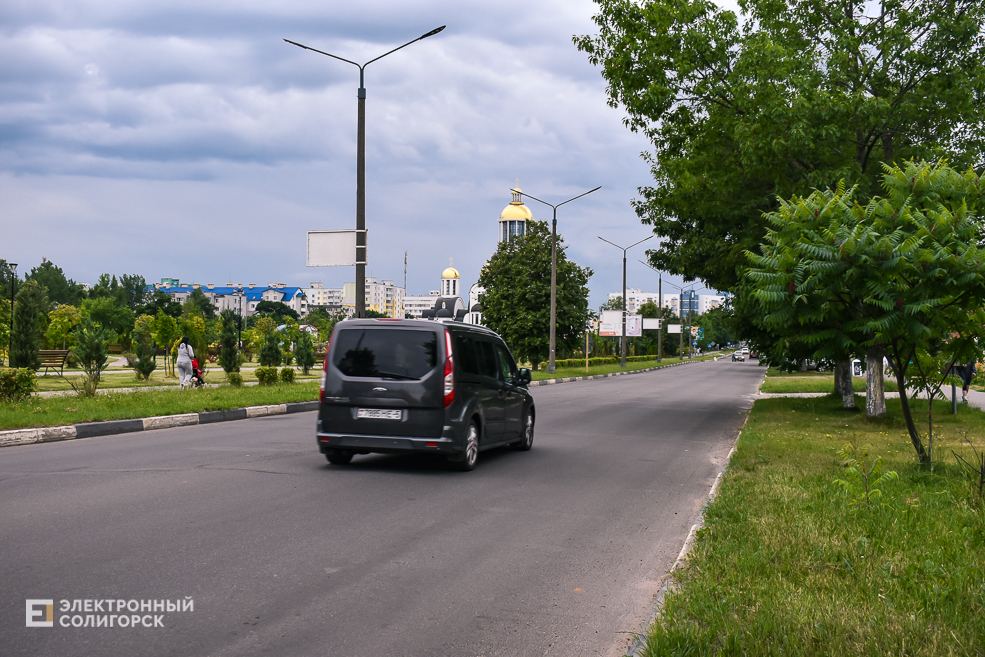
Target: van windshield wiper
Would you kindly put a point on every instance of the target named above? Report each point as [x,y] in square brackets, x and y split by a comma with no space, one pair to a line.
[394,375]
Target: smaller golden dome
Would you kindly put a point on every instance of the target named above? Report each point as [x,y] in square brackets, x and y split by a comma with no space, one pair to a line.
[451,272]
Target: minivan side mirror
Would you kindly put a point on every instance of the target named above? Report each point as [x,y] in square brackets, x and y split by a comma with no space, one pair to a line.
[524,377]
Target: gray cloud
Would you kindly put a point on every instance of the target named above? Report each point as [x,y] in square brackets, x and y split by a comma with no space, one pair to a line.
[178,139]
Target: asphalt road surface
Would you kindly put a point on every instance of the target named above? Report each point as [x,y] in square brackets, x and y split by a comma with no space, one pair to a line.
[556,551]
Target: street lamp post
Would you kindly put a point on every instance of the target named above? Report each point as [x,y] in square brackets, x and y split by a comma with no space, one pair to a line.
[12,266]
[623,349]
[690,313]
[361,166]
[550,361]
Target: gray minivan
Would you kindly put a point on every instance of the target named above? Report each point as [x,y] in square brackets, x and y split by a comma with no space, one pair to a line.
[424,387]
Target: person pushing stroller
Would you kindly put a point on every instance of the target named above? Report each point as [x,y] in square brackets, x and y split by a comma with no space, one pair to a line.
[189,374]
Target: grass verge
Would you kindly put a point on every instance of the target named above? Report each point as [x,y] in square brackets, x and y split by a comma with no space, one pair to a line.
[58,411]
[788,565]
[631,366]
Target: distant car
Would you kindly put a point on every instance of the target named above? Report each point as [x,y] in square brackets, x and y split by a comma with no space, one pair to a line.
[421,387]
[737,356]
[753,354]
[745,351]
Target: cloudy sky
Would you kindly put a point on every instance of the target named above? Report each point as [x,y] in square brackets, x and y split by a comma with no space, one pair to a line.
[187,139]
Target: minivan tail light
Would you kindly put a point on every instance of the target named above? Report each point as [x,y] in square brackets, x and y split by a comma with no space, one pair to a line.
[449,372]
[324,375]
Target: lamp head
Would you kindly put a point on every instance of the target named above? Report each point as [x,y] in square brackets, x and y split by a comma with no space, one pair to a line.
[433,32]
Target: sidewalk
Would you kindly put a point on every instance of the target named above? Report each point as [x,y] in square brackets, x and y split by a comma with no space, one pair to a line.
[975,399]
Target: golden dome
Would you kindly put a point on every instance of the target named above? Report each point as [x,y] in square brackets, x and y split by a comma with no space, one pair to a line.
[451,272]
[516,212]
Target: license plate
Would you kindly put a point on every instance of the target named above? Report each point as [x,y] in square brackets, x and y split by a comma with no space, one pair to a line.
[378,414]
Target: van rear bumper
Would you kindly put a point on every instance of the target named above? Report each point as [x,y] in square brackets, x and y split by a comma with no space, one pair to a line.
[389,444]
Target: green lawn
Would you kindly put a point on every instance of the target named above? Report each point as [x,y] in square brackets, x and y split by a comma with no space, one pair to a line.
[58,411]
[787,382]
[631,366]
[787,565]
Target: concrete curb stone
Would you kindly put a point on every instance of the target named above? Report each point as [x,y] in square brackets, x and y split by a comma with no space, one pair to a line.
[113,427]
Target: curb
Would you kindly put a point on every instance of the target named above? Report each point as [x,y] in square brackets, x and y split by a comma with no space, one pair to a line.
[572,379]
[639,640]
[113,427]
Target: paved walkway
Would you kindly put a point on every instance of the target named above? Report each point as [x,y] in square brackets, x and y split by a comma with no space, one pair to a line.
[975,398]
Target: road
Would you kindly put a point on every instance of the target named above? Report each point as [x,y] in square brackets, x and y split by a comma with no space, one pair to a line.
[556,551]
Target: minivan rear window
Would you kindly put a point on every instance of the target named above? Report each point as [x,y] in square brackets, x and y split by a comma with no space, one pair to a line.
[385,353]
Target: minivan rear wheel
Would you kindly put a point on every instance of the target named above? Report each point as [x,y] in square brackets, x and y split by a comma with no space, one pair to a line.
[471,452]
[338,457]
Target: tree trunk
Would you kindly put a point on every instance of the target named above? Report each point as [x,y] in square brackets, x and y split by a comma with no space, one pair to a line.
[908,416]
[838,376]
[847,395]
[875,388]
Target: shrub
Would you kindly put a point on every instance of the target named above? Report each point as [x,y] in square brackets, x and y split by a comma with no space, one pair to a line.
[287,375]
[145,360]
[92,351]
[235,379]
[71,361]
[16,384]
[304,352]
[266,375]
[131,358]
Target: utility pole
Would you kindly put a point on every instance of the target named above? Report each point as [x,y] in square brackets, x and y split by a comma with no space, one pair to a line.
[660,318]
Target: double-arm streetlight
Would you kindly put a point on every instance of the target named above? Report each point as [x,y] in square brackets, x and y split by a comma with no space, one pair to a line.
[690,313]
[660,311]
[624,249]
[550,362]
[361,166]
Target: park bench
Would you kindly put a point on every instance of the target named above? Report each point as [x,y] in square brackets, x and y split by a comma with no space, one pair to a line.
[53,359]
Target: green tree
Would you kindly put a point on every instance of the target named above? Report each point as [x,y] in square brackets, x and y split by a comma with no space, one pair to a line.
[304,352]
[228,343]
[134,291]
[30,323]
[92,351]
[270,352]
[192,326]
[166,333]
[60,289]
[279,311]
[900,275]
[61,322]
[144,347]
[199,303]
[795,97]
[517,299]
[160,300]
[111,315]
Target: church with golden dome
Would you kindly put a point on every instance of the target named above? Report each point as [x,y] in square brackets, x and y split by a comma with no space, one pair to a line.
[446,302]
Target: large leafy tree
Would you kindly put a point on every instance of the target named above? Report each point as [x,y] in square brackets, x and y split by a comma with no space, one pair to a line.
[61,290]
[794,97]
[517,299]
[901,274]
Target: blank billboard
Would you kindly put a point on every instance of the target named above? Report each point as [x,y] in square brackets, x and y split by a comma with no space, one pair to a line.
[333,248]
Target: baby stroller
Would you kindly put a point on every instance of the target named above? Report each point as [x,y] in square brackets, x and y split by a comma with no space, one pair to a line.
[198,377]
